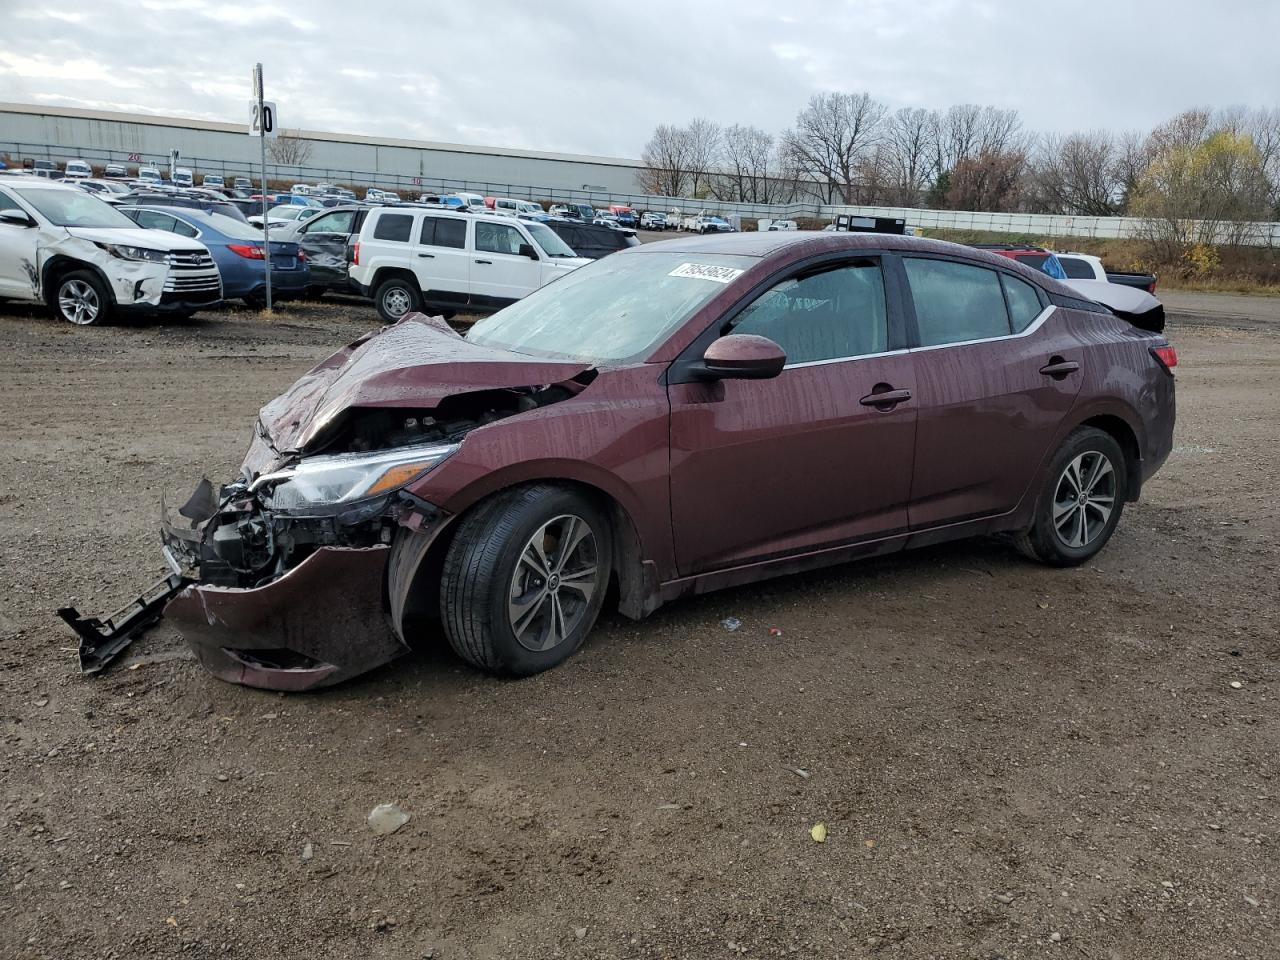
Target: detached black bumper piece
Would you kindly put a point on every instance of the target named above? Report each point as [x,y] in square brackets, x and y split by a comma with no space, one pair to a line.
[101,641]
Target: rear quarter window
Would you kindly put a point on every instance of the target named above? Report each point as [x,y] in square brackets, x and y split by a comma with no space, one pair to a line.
[1024,302]
[395,227]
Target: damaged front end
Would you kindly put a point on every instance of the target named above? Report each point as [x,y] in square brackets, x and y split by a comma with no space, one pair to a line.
[280,579]
[289,566]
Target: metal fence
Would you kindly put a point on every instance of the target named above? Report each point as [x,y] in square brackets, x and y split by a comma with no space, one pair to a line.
[1031,224]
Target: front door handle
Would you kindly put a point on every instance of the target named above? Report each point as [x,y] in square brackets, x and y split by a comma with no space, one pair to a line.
[489,262]
[1059,368]
[884,397]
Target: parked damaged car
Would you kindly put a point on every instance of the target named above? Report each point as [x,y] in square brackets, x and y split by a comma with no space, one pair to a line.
[88,262]
[669,420]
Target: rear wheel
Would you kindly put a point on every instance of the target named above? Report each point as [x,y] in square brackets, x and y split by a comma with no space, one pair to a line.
[1081,502]
[81,298]
[524,579]
[396,297]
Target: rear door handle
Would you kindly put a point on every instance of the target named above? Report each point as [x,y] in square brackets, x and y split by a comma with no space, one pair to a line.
[428,256]
[489,262]
[884,397]
[1059,368]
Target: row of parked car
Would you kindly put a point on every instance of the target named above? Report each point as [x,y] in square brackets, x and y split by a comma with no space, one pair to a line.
[129,247]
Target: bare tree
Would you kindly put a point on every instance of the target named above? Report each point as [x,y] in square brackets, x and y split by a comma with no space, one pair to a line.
[832,136]
[290,150]
[1076,174]
[991,180]
[746,154]
[677,160]
[907,161]
[1133,157]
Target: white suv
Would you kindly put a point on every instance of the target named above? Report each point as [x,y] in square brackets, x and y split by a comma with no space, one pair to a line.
[66,248]
[408,259]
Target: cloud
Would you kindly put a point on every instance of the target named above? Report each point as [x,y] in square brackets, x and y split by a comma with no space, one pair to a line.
[589,77]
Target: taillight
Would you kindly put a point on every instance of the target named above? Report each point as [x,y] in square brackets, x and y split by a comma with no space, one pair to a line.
[1151,288]
[355,253]
[302,256]
[1166,355]
[246,250]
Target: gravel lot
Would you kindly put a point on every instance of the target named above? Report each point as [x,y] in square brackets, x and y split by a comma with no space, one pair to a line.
[1010,761]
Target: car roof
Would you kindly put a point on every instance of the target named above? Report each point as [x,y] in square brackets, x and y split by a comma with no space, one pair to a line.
[795,244]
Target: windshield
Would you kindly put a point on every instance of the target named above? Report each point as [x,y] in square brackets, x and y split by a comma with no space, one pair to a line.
[549,240]
[74,208]
[617,308]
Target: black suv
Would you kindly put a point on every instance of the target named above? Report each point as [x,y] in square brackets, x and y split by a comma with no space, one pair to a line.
[591,239]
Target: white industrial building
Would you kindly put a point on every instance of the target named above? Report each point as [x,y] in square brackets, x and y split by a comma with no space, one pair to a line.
[62,133]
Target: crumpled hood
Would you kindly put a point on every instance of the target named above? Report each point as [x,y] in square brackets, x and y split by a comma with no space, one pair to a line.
[417,362]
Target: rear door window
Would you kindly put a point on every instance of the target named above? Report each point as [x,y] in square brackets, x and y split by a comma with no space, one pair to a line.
[830,315]
[394,227]
[955,302]
[443,232]
[1024,302]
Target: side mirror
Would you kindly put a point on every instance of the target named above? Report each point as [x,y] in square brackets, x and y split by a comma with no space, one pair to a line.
[526,250]
[16,218]
[743,356]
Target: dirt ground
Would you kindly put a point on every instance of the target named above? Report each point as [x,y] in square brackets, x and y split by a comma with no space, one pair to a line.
[1011,761]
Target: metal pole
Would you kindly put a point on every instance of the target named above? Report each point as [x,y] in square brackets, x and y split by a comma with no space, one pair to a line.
[266,221]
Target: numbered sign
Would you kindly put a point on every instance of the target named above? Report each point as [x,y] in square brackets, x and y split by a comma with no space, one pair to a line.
[264,122]
[135,158]
[417,181]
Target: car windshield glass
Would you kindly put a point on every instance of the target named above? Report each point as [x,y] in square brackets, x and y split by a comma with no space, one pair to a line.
[235,229]
[74,208]
[546,238]
[614,309]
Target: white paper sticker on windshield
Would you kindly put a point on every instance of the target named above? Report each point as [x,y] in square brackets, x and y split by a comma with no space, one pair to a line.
[706,271]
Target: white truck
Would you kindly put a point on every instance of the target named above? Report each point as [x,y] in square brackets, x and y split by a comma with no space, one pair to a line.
[1085,266]
[87,261]
[411,258]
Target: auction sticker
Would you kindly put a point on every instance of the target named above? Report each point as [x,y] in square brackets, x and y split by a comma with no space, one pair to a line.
[706,271]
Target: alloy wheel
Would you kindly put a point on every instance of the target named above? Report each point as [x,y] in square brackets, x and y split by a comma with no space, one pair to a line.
[396,302]
[553,583]
[1084,499]
[78,302]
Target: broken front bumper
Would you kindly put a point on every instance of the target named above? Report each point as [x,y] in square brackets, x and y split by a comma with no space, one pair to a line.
[321,622]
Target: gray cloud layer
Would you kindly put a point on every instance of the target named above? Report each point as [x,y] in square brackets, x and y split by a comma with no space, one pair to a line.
[595,77]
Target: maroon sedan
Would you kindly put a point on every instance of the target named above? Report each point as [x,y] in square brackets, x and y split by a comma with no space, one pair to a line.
[672,419]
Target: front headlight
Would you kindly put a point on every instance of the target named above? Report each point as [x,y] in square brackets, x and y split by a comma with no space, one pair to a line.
[345,478]
[126,252]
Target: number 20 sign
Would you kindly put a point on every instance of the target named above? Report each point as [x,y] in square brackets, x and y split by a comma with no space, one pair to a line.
[263,122]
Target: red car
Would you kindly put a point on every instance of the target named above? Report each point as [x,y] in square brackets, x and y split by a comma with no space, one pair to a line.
[672,419]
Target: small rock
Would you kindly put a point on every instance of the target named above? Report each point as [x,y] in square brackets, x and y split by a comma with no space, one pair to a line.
[818,832]
[1167,884]
[1251,901]
[1055,937]
[732,624]
[42,702]
[668,806]
[65,885]
[803,774]
[1004,898]
[221,778]
[308,851]
[268,716]
[580,932]
[1237,685]
[386,819]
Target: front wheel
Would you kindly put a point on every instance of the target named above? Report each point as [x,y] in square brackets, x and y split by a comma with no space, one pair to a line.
[396,297]
[1081,502]
[82,299]
[524,579]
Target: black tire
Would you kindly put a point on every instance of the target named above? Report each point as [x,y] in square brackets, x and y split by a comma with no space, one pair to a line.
[257,301]
[80,297]
[483,568]
[316,293]
[1068,528]
[395,298]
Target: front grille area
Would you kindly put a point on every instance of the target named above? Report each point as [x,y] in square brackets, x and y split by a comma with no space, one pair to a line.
[189,259]
[209,281]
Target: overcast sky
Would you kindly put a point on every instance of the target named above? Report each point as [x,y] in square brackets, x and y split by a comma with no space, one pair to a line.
[589,76]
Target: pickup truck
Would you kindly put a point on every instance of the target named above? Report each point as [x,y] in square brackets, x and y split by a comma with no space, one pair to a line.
[1084,266]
